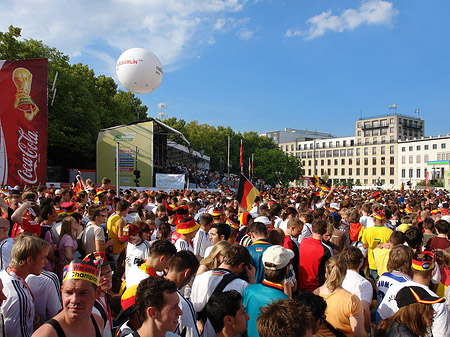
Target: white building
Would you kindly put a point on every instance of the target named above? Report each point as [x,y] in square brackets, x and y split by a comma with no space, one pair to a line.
[422,155]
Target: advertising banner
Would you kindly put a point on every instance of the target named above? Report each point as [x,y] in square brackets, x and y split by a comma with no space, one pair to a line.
[171,181]
[23,122]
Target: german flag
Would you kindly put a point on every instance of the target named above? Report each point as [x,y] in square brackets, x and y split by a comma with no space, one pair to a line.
[247,193]
[318,182]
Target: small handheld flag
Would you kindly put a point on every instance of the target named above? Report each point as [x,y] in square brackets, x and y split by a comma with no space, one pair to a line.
[247,193]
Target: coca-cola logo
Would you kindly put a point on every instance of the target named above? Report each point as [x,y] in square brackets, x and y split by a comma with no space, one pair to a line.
[28,145]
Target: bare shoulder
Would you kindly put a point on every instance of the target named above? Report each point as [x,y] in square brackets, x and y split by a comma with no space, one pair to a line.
[99,321]
[46,330]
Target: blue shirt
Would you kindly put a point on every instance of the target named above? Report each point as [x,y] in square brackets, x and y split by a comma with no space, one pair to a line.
[257,296]
[256,250]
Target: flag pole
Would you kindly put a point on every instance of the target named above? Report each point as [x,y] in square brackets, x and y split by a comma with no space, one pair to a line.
[228,160]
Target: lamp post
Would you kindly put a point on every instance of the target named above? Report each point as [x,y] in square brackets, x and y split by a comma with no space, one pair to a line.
[191,150]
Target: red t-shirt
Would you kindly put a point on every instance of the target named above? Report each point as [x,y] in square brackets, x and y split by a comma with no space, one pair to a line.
[27,226]
[313,255]
[438,243]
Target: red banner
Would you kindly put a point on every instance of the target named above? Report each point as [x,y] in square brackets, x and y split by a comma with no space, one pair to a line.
[23,118]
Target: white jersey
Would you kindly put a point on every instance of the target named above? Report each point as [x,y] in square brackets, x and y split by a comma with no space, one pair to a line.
[201,242]
[204,286]
[136,255]
[181,244]
[5,252]
[46,289]
[306,231]
[358,285]
[188,320]
[441,323]
[18,308]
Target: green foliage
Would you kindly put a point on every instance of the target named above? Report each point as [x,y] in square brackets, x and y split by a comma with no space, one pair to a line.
[84,103]
[438,183]
[270,163]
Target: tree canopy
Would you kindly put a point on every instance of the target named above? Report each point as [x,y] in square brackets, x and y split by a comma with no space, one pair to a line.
[85,103]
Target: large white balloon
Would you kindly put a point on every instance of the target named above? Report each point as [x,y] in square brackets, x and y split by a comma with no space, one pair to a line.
[139,70]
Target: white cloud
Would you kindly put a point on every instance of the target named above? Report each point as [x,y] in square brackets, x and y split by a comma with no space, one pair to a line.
[373,12]
[172,29]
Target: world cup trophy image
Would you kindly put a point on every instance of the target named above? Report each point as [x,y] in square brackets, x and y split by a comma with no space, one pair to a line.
[22,79]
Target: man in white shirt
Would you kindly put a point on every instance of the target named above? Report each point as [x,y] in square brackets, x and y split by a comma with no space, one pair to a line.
[201,239]
[6,244]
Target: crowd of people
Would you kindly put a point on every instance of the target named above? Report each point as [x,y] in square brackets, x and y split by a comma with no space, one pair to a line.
[301,262]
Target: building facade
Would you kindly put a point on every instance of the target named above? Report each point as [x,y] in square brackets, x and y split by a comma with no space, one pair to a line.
[417,157]
[369,158]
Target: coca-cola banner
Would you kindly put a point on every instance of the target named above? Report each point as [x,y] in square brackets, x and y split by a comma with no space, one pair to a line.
[23,122]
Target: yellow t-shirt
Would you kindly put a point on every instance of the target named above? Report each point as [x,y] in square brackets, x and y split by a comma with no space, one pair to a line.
[372,237]
[381,257]
[341,305]
[113,230]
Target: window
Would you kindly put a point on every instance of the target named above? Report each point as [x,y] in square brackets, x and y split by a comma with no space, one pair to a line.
[359,133]
[443,146]
[383,140]
[425,158]
[410,159]
[366,161]
[384,122]
[366,151]
[366,171]
[335,153]
[358,171]
[366,141]
[391,130]
[366,125]
[350,161]
[418,173]
[322,162]
[391,139]
[403,149]
[309,171]
[330,144]
[383,160]
[391,149]
[426,147]
[322,171]
[335,172]
[335,162]
[344,143]
[292,147]
[411,172]
[322,154]
[329,153]
[358,151]
[311,146]
[410,148]
[376,124]
[403,173]
[329,172]
[383,131]
[434,146]
[375,132]
[374,171]
[343,172]
[329,162]
[359,124]
[374,160]
[418,160]
[403,159]
[418,147]
[391,161]
[358,161]
[342,153]
[366,181]
[350,153]
[337,144]
[359,142]
[366,133]
[374,150]
[383,150]
[383,171]
[342,161]
[303,155]
[350,171]
[375,140]
[309,162]
[391,171]
[310,154]
[287,147]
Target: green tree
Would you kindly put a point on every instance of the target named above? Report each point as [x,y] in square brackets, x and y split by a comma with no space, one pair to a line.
[83,104]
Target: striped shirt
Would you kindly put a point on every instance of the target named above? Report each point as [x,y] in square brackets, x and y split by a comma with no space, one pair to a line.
[18,308]
[201,242]
[5,252]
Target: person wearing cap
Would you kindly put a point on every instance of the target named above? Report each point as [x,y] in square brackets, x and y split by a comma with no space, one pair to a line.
[275,261]
[128,320]
[28,256]
[423,264]
[415,315]
[372,237]
[79,291]
[258,233]
[187,229]
[218,215]
[182,268]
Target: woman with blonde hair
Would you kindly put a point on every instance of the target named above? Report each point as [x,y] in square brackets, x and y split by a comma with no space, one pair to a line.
[215,258]
[414,316]
[344,310]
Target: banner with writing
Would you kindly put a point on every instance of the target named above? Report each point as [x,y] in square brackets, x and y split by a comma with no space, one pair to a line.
[23,122]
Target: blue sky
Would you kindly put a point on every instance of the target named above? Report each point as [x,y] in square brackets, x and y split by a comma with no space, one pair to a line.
[264,65]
